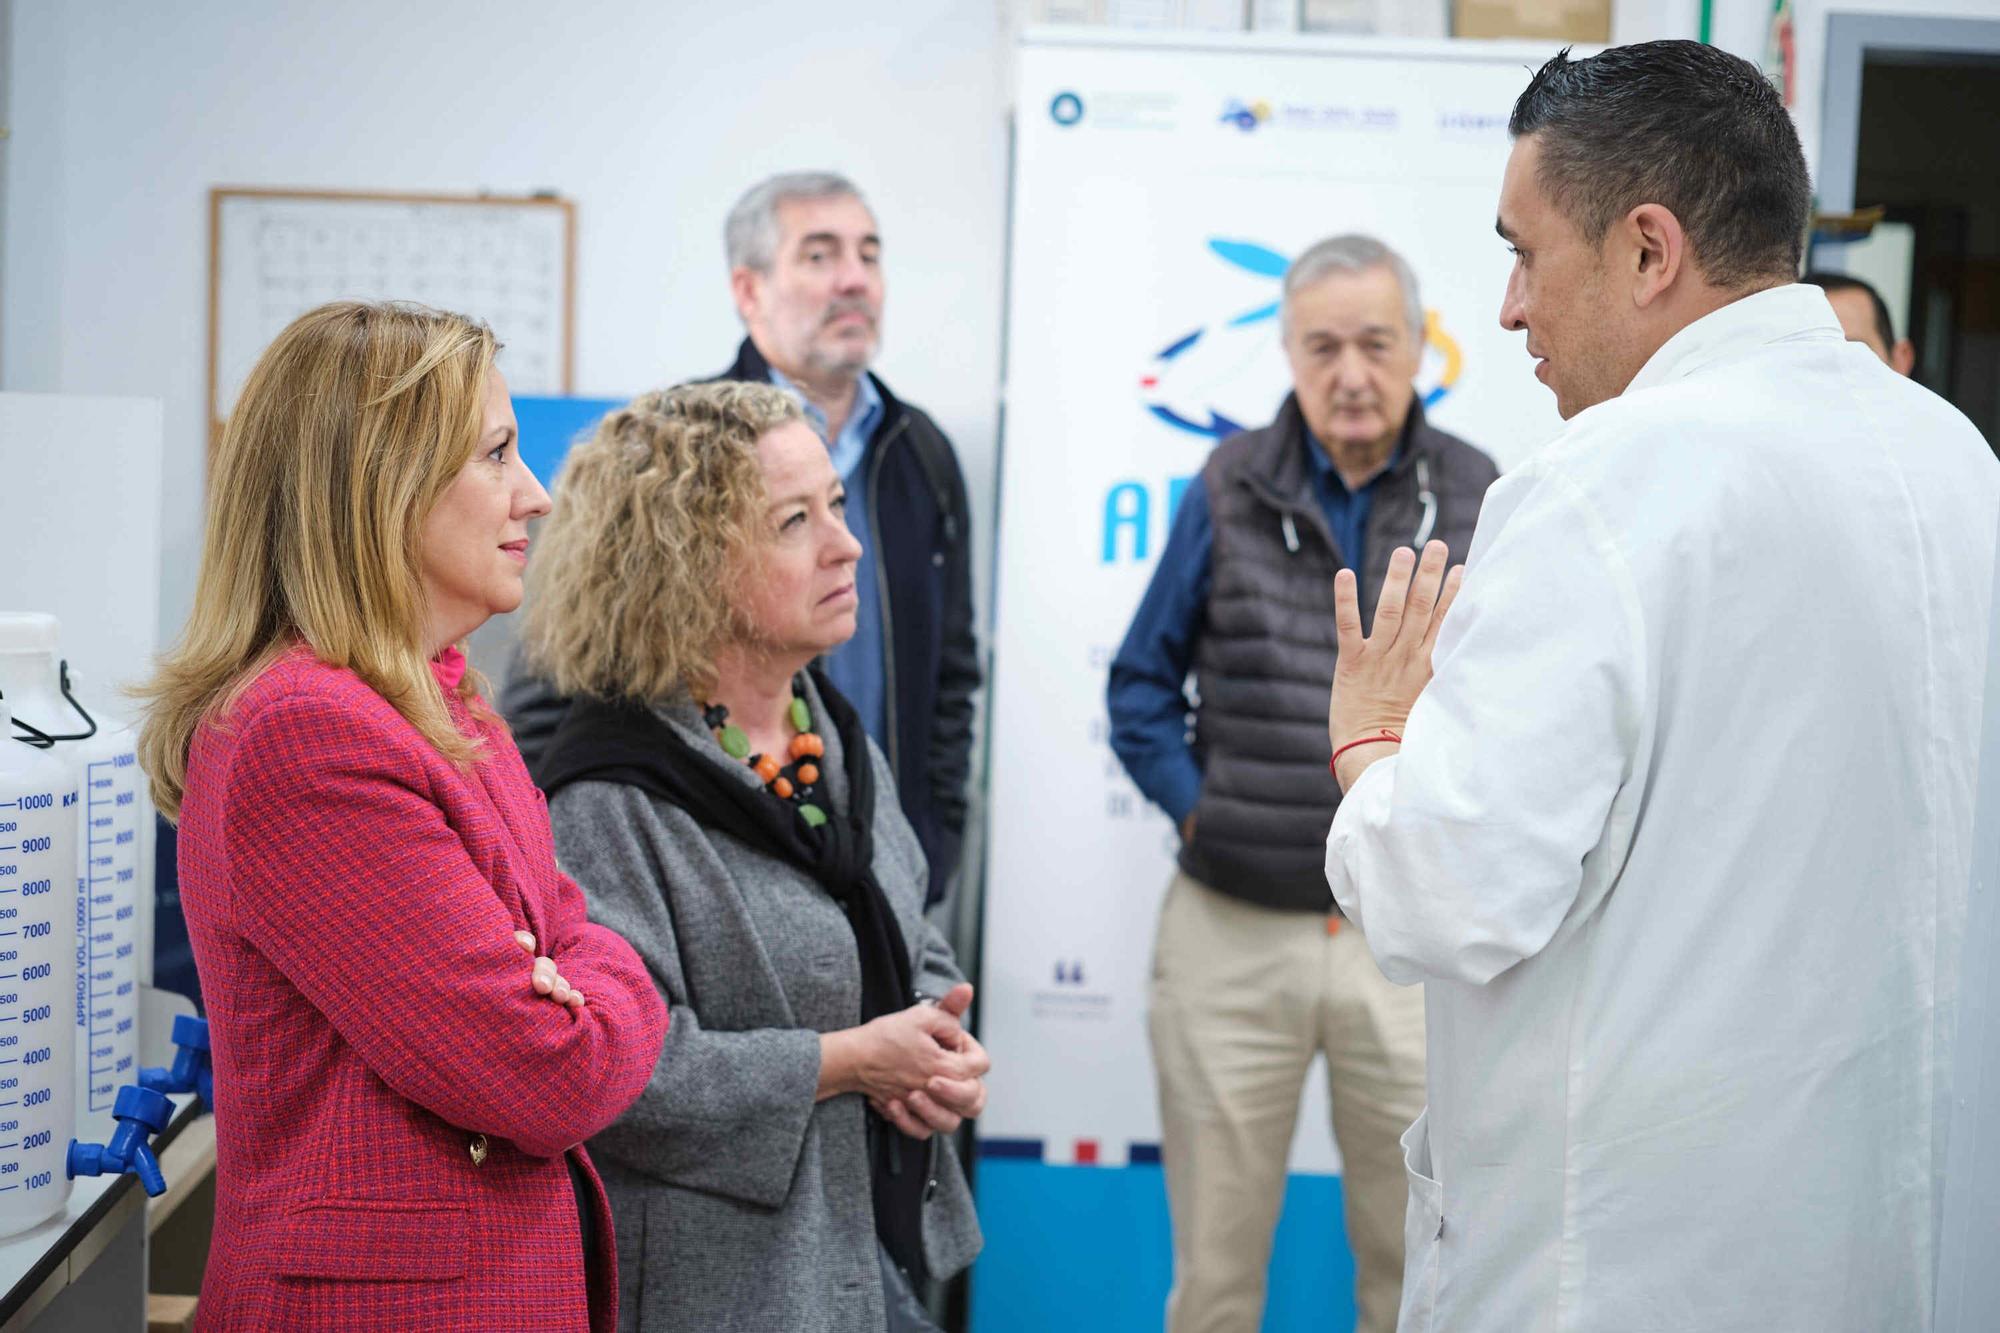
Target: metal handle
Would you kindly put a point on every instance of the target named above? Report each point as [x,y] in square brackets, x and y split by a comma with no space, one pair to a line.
[43,740]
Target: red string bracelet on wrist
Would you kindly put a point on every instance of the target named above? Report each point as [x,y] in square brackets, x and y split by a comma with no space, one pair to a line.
[1387,735]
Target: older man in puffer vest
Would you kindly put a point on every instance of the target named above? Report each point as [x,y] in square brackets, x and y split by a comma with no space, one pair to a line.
[1255,971]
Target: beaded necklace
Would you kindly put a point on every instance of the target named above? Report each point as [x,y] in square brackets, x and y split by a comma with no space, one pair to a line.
[794,782]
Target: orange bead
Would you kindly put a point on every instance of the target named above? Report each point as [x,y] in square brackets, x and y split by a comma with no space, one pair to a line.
[818,745]
[767,767]
[800,744]
[783,788]
[808,774]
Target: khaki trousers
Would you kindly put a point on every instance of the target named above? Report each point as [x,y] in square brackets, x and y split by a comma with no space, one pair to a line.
[1243,997]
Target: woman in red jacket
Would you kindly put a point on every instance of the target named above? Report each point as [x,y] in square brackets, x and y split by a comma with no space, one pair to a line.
[413,1025]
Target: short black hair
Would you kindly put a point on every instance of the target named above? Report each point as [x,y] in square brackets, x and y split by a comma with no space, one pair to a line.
[1840,282]
[1684,125]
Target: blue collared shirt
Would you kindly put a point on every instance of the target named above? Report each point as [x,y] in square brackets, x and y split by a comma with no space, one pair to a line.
[1346,510]
[856,666]
[1149,710]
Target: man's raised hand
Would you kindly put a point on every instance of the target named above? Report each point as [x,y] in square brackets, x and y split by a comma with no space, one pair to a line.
[1378,678]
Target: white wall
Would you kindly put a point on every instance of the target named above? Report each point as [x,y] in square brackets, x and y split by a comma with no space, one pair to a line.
[652,116]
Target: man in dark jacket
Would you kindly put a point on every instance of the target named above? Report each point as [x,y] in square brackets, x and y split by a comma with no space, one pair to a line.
[1864,318]
[1255,972]
[806,274]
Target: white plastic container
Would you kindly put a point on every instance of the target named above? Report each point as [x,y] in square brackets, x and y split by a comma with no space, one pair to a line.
[115,811]
[38,859]
[104,1008]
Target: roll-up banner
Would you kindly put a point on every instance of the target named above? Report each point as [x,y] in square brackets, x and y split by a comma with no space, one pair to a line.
[1161,186]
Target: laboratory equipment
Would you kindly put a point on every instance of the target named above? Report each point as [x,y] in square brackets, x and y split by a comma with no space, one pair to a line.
[140,1113]
[192,1070]
[38,862]
[111,816]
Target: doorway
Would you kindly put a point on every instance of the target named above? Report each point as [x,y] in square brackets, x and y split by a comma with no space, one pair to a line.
[1910,103]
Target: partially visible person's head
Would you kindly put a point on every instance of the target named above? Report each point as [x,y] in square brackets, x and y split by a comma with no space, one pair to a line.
[805,268]
[365,499]
[694,522]
[1864,318]
[1648,186]
[1353,326]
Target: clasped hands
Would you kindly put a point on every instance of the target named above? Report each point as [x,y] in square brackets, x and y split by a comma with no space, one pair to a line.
[919,1068]
[1378,678]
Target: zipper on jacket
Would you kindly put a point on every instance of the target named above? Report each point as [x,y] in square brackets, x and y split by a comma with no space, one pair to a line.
[1428,501]
[1286,508]
[889,732]
[1288,511]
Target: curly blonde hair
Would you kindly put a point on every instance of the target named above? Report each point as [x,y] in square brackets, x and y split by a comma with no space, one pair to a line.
[629,590]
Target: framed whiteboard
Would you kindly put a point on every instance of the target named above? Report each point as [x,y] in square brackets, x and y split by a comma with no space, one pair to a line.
[275,254]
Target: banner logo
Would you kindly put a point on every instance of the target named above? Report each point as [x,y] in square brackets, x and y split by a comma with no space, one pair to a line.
[1245,116]
[1066,109]
[1197,382]
[1251,115]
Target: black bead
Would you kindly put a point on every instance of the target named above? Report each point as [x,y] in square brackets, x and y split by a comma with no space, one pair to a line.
[714,716]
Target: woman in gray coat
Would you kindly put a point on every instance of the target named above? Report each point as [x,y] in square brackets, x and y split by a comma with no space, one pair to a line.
[788,1167]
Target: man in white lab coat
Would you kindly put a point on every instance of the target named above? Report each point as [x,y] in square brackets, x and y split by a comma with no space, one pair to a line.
[1678,833]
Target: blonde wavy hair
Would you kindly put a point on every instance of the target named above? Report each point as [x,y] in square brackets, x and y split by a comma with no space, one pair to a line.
[352,424]
[629,591]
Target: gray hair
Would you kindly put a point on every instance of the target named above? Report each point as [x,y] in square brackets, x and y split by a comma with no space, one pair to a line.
[750,235]
[1353,253]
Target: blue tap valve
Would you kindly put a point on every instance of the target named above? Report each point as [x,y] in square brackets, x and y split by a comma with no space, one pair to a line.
[192,1070]
[140,1113]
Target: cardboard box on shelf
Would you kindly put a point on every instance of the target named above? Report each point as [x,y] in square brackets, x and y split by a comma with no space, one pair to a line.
[1556,20]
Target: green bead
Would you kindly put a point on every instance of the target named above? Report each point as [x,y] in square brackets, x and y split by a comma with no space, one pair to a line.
[802,718]
[734,743]
[812,814]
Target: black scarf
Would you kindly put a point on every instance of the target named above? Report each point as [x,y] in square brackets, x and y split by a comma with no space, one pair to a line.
[623,742]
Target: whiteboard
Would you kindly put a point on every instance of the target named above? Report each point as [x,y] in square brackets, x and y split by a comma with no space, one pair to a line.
[276,254]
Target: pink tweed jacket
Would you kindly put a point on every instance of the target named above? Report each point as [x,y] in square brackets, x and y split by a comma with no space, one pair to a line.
[394,1102]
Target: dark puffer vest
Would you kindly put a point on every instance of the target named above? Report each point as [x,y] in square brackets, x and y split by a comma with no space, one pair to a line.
[1264,663]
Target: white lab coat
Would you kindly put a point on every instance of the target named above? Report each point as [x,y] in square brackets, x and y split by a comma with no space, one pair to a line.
[1679,838]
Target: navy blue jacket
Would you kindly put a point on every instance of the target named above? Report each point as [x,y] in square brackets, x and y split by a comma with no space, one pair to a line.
[921,534]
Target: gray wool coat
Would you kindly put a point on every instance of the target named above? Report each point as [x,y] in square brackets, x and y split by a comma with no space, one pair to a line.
[740,1203]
